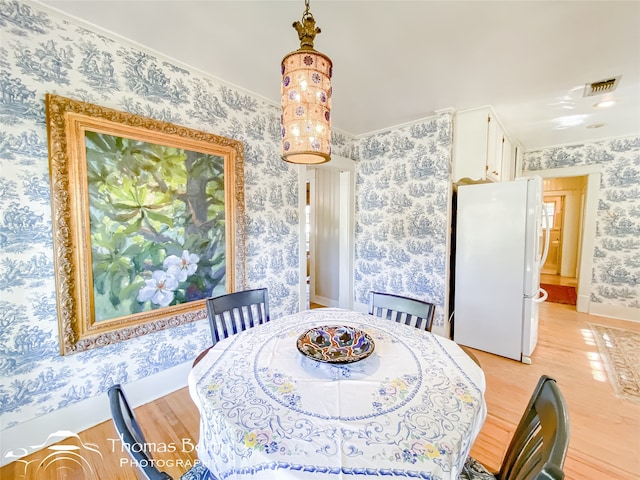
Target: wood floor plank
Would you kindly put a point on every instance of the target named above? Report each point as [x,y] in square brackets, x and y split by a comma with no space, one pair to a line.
[605,430]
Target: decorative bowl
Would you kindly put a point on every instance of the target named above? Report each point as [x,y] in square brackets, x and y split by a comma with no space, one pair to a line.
[335,344]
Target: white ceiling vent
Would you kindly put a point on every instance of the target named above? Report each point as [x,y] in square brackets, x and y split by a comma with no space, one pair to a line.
[603,86]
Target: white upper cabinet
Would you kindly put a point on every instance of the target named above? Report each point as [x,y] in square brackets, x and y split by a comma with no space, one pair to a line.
[481,148]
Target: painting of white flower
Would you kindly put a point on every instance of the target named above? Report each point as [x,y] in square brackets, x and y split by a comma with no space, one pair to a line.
[154,208]
[159,289]
[181,267]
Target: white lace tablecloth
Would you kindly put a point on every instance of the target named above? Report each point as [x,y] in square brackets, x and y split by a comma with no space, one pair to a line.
[410,410]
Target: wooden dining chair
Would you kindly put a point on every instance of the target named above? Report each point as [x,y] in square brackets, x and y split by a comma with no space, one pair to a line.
[235,312]
[409,311]
[134,442]
[539,445]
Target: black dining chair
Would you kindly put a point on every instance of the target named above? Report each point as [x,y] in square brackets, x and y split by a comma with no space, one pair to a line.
[409,311]
[539,445]
[235,312]
[133,440]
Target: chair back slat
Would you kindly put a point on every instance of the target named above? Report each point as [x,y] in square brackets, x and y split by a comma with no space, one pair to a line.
[246,317]
[236,312]
[409,311]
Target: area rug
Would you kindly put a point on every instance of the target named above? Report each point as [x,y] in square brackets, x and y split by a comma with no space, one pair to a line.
[620,352]
[560,293]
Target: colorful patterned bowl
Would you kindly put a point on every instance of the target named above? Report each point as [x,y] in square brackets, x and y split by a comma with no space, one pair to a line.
[335,344]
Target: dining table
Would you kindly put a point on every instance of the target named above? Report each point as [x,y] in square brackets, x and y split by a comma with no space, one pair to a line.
[403,403]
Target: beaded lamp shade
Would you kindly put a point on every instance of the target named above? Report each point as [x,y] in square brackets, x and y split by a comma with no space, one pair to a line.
[306,99]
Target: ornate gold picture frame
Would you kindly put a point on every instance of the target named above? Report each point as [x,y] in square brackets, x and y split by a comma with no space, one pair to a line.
[147,219]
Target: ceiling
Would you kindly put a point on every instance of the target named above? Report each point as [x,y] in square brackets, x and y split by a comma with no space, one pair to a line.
[399,61]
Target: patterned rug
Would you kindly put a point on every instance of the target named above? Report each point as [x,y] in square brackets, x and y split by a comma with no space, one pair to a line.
[560,293]
[620,352]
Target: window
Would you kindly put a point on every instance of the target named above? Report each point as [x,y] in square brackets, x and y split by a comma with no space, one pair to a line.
[547,220]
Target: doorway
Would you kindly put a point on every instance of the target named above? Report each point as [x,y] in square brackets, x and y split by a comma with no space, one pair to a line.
[579,186]
[564,202]
[329,236]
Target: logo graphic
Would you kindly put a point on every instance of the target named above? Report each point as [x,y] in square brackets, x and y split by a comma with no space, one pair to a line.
[66,455]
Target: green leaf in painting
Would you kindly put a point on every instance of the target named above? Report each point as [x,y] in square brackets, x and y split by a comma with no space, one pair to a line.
[158,217]
[134,227]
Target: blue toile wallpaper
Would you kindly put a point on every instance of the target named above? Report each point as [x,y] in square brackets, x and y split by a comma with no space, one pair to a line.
[43,53]
[403,189]
[402,203]
[615,279]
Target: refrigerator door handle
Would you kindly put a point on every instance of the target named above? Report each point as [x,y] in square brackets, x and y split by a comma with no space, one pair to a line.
[547,237]
[543,296]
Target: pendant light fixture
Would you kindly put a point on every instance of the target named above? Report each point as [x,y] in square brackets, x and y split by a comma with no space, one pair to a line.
[306,99]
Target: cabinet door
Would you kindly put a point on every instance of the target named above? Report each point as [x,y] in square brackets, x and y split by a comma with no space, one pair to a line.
[494,150]
[508,161]
[470,144]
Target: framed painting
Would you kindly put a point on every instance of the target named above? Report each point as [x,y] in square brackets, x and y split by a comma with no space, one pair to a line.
[147,219]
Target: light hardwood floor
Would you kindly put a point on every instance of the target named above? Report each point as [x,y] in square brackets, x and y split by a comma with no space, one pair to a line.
[605,430]
[558,280]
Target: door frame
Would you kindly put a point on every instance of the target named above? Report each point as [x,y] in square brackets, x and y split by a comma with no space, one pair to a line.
[346,240]
[588,230]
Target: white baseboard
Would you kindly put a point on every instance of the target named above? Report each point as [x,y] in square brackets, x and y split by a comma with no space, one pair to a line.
[33,435]
[582,303]
[622,313]
[327,302]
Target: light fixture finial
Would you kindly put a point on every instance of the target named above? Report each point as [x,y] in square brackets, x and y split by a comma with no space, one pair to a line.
[307,29]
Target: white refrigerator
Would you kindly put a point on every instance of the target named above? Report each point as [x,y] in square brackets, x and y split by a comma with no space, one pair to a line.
[498,257]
